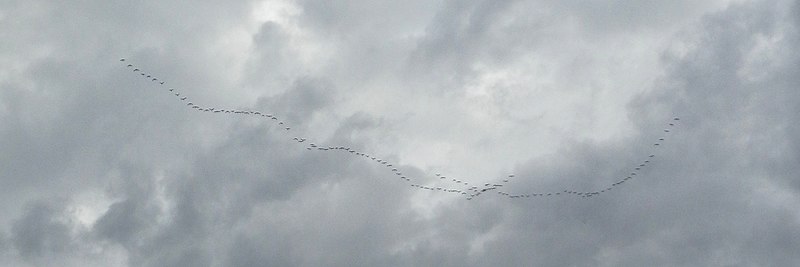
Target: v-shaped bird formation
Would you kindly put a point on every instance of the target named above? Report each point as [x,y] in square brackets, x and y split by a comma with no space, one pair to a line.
[443,183]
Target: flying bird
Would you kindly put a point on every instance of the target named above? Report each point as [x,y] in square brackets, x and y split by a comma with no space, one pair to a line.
[475,191]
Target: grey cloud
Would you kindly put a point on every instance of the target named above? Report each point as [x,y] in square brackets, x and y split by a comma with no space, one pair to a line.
[4,246]
[463,33]
[246,251]
[306,96]
[353,20]
[697,206]
[187,188]
[613,17]
[181,241]
[124,221]
[40,232]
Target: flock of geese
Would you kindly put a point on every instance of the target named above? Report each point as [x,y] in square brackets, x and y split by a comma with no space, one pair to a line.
[454,186]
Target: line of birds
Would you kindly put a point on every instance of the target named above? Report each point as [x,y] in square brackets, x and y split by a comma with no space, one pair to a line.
[457,186]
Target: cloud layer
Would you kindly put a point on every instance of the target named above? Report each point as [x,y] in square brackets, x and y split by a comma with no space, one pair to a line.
[99,167]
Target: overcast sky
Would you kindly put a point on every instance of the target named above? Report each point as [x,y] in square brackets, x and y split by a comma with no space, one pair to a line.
[100,167]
